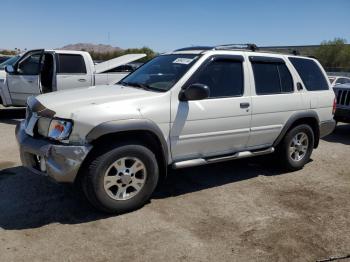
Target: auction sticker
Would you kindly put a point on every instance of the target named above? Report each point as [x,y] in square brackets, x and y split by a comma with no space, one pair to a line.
[184,61]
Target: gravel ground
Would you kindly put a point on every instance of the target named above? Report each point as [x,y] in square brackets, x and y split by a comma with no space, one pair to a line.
[245,210]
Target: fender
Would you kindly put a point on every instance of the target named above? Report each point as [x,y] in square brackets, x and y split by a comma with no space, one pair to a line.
[295,117]
[129,125]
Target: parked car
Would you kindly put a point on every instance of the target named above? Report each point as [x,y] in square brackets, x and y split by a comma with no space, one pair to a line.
[186,108]
[3,58]
[44,71]
[342,113]
[338,80]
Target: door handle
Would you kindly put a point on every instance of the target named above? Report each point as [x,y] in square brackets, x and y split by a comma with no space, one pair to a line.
[244,105]
[82,80]
[30,81]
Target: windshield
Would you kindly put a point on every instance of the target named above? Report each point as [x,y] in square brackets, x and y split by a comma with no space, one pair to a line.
[10,61]
[161,73]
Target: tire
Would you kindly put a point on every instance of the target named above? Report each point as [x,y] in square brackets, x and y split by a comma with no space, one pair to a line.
[285,152]
[106,177]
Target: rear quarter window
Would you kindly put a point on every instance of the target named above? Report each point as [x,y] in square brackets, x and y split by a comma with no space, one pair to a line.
[310,73]
[71,64]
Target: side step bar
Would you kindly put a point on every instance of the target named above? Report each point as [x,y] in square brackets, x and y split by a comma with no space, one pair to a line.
[238,155]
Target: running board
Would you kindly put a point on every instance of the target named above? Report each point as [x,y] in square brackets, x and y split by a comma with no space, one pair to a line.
[238,155]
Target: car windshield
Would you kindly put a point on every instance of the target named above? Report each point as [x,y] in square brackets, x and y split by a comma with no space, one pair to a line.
[161,73]
[10,61]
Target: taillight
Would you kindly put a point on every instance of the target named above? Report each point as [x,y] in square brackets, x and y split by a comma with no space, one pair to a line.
[334,105]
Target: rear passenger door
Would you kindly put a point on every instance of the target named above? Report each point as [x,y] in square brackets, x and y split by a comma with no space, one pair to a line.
[219,124]
[72,72]
[317,92]
[275,98]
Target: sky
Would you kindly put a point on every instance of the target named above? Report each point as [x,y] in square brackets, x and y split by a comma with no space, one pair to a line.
[165,25]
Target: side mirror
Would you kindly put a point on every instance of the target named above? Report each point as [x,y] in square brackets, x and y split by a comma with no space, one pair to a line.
[10,69]
[194,92]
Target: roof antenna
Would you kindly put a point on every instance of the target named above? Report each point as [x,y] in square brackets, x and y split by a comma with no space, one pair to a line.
[295,52]
[252,47]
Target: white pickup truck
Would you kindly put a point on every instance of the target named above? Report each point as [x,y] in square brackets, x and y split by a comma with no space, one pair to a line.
[43,71]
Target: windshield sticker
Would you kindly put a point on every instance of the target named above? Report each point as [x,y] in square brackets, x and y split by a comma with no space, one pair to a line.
[184,61]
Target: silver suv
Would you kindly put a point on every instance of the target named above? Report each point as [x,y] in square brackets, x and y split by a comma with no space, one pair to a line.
[190,107]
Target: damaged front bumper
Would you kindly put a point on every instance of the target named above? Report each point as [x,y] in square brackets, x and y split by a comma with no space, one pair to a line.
[58,161]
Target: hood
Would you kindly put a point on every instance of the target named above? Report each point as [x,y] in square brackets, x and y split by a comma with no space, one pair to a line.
[115,62]
[90,107]
[123,99]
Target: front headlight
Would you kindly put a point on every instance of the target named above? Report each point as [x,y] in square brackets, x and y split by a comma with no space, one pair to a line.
[58,129]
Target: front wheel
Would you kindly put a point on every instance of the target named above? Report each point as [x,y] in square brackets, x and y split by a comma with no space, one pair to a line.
[121,179]
[296,147]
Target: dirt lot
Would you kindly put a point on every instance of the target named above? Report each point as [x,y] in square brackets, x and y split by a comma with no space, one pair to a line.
[237,211]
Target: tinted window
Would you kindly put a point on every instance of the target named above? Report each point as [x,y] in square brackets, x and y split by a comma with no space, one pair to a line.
[224,78]
[30,65]
[71,64]
[272,78]
[286,78]
[310,73]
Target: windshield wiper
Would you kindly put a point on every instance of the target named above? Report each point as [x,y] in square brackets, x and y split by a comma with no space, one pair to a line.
[138,85]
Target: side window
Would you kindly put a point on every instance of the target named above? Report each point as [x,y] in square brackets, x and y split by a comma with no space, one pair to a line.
[224,77]
[310,73]
[272,78]
[30,65]
[71,64]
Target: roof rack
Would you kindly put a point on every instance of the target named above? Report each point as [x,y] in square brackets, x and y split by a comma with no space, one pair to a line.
[249,46]
[191,48]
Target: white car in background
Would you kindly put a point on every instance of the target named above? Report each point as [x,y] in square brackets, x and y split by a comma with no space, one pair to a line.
[339,80]
[43,71]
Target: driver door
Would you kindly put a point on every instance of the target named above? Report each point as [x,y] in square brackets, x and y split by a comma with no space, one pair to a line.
[25,81]
[219,124]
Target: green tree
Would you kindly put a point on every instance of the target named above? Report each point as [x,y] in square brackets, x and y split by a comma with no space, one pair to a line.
[334,54]
[7,52]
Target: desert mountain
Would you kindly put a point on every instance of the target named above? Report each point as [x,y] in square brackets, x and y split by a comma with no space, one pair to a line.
[100,48]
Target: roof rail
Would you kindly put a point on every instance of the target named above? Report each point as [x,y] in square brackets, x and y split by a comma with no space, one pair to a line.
[249,46]
[191,48]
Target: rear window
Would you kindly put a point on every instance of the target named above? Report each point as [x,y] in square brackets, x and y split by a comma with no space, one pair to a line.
[310,73]
[272,78]
[71,64]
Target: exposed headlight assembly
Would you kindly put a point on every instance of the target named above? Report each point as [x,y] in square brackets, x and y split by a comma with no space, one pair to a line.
[57,129]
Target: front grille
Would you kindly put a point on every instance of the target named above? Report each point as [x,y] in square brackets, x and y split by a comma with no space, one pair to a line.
[343,97]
